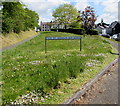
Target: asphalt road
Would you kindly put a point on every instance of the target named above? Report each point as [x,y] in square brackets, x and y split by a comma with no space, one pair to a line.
[108,89]
[104,91]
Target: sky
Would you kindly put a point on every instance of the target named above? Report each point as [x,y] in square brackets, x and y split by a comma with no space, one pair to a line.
[104,9]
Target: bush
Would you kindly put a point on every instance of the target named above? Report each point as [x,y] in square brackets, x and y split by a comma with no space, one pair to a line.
[80,31]
[93,32]
[53,29]
[75,31]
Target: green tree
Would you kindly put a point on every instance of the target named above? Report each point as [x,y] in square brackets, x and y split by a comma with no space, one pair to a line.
[75,24]
[17,18]
[12,17]
[65,15]
[31,19]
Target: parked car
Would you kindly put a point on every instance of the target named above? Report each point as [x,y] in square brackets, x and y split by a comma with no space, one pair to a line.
[116,37]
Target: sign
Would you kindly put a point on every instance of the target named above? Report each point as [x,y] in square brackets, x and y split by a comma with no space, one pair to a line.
[63,38]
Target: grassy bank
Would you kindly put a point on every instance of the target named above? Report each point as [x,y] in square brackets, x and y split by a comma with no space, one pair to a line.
[118,42]
[13,38]
[58,73]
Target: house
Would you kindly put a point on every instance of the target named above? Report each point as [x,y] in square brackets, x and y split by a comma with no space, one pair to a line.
[45,26]
[102,27]
[114,28]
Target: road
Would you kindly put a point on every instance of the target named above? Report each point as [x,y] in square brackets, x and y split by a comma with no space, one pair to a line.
[105,90]
[108,89]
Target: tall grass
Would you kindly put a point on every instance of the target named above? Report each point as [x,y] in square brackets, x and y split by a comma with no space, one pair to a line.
[27,67]
[13,38]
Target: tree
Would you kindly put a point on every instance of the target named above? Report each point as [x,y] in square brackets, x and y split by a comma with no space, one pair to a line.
[31,19]
[88,18]
[65,14]
[16,17]
[75,24]
[12,17]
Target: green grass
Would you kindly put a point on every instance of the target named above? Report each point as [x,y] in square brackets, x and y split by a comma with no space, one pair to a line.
[27,68]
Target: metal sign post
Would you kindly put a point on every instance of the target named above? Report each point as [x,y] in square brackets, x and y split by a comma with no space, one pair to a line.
[63,38]
[80,44]
[45,45]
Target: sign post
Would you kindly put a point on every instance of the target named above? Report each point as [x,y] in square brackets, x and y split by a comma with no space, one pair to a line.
[63,38]
[80,44]
[45,45]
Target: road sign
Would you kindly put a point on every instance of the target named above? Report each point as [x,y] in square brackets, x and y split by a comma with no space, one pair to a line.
[63,38]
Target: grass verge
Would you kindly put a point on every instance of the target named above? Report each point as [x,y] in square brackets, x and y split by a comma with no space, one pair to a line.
[118,42]
[67,89]
[54,76]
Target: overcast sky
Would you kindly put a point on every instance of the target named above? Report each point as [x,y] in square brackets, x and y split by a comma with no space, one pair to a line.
[104,9]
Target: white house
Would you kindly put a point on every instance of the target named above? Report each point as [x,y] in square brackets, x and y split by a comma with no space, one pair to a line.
[102,27]
[45,26]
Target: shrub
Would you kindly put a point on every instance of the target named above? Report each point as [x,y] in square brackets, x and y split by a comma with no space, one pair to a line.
[93,32]
[75,31]
[54,29]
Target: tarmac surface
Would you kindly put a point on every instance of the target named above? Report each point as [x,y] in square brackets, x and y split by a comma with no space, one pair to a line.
[104,91]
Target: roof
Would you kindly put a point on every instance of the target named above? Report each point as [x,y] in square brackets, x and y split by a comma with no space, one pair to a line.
[103,25]
[45,23]
[113,24]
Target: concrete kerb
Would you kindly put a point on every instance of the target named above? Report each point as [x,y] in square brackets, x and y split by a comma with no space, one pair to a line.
[87,86]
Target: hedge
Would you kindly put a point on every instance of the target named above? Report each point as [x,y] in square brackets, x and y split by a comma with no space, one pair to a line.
[80,31]
[93,32]
[75,31]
